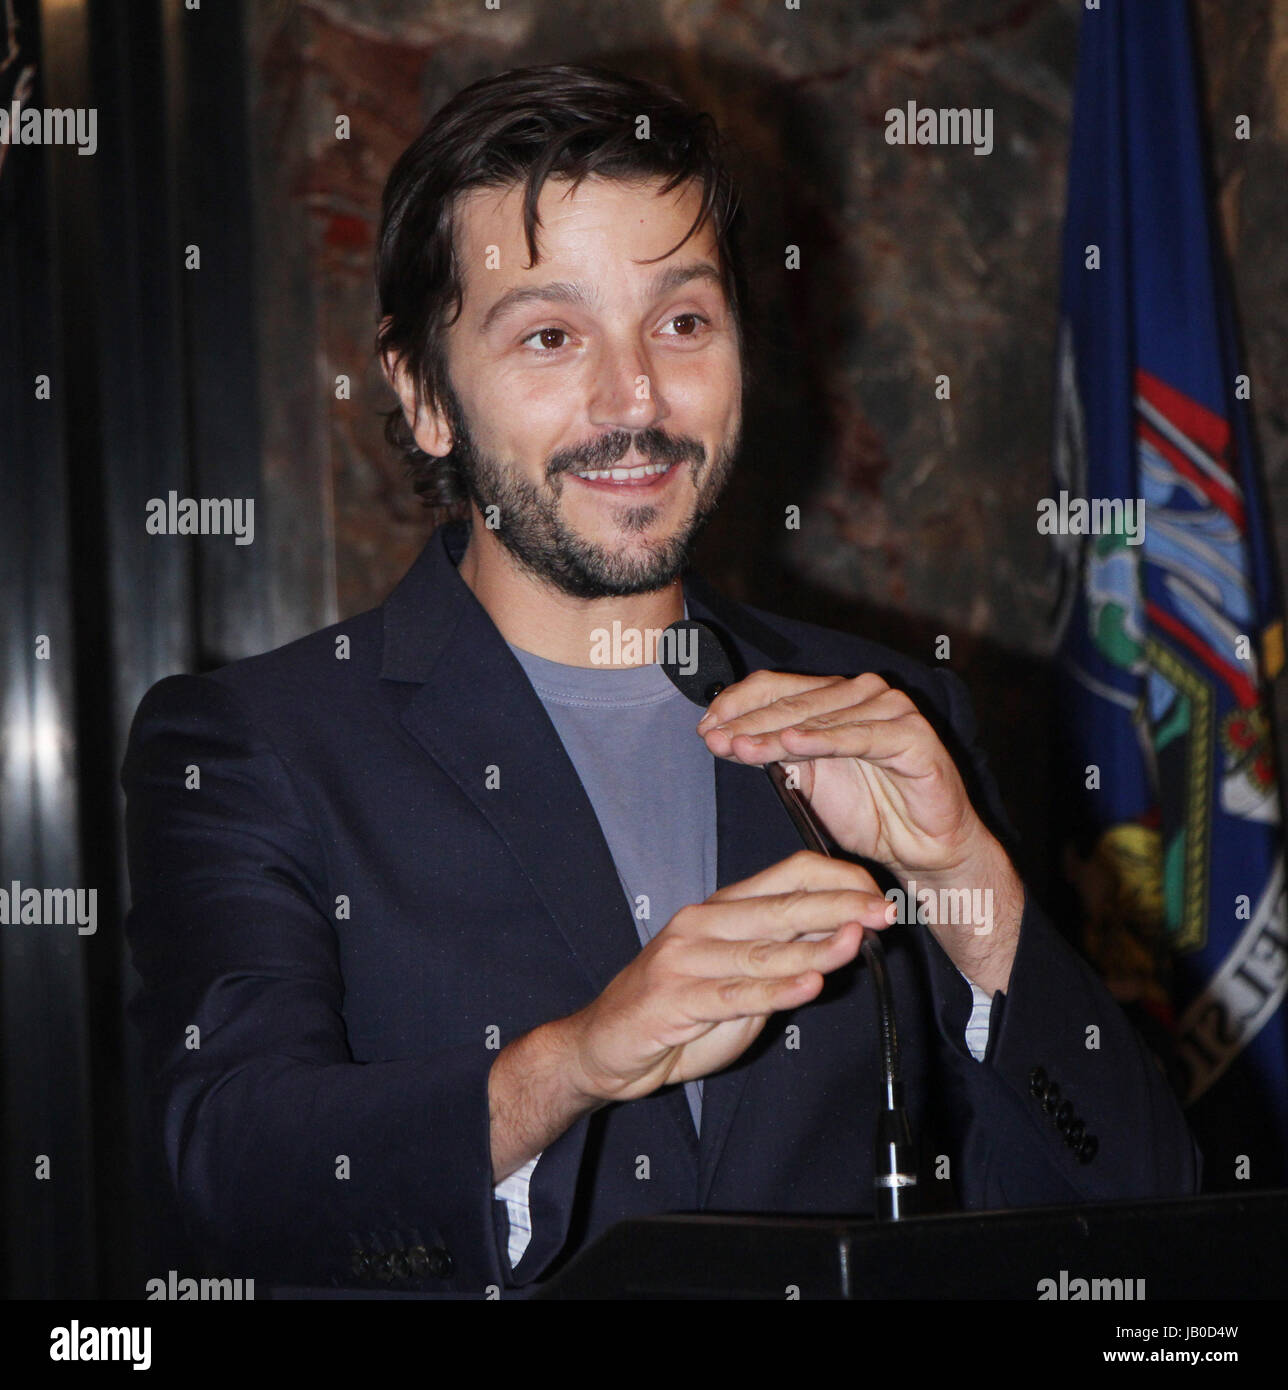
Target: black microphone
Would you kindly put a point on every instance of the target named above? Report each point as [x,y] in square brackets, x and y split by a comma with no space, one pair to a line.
[700,667]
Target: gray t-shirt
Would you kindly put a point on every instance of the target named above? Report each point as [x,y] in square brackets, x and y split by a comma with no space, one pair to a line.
[632,737]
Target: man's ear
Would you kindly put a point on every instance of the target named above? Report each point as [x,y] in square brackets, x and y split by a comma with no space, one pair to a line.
[428,426]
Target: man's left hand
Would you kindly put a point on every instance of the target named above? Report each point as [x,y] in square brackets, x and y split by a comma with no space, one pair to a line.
[886,789]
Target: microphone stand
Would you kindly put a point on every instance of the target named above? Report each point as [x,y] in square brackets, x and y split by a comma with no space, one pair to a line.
[895,1167]
[895,1171]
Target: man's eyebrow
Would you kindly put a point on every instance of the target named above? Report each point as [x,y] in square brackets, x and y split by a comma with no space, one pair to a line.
[676,276]
[557,292]
[567,292]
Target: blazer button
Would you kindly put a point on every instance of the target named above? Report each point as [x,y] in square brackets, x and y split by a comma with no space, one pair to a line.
[1063,1117]
[398,1266]
[1073,1134]
[1038,1082]
[441,1263]
[1052,1099]
[360,1264]
[1087,1149]
[382,1267]
[418,1261]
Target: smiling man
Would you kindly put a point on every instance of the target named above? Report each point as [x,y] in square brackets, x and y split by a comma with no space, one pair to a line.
[487,945]
[635,361]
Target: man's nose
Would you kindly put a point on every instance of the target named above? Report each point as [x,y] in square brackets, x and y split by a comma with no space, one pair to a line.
[625,392]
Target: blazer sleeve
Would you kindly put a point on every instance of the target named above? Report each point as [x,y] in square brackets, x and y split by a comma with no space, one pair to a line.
[1069,1105]
[291,1161]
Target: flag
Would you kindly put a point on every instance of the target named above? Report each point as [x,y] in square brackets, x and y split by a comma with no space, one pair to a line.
[1169,627]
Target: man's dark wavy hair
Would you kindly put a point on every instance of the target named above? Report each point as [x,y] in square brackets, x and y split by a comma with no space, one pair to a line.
[526,125]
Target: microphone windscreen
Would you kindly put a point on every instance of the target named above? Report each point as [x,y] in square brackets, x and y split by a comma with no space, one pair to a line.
[695,660]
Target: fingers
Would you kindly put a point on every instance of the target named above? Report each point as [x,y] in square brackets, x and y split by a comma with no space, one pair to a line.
[719,1001]
[887,705]
[716,958]
[882,742]
[907,744]
[807,712]
[759,689]
[804,871]
[750,950]
[772,700]
[783,916]
[835,720]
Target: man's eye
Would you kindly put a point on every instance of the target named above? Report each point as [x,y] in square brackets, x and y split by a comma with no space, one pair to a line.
[691,322]
[545,334]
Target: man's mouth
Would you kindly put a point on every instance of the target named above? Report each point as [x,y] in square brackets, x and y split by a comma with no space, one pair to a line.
[642,475]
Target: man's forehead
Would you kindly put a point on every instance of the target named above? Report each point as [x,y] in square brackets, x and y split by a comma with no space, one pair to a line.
[493,216]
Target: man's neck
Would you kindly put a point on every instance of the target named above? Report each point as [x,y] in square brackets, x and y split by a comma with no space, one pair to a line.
[538,618]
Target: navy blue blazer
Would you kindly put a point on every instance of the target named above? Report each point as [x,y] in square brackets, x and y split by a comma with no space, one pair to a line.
[337,922]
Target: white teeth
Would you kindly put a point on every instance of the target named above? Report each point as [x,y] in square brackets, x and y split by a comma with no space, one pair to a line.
[646,470]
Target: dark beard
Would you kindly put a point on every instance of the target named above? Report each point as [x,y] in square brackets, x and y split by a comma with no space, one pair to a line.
[529,526]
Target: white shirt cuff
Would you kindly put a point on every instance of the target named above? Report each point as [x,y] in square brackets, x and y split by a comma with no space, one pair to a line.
[513,1191]
[977,1023]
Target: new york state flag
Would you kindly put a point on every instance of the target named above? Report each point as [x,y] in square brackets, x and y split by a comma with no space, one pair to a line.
[1168,639]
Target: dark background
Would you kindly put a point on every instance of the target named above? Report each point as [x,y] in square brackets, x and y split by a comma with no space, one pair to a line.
[216,128]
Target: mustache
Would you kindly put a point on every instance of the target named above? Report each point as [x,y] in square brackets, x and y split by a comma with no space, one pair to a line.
[653,445]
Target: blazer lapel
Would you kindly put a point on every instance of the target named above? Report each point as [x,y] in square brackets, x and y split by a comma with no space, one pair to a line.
[752,829]
[476,710]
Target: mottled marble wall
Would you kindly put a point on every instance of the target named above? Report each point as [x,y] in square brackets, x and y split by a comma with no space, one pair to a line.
[917,513]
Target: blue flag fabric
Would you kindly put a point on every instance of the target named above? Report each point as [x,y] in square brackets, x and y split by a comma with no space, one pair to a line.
[1170,627]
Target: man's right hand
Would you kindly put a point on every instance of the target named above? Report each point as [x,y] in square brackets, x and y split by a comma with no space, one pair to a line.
[699,993]
[691,1002]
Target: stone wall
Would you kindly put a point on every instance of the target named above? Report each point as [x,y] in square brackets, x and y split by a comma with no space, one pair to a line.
[917,513]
